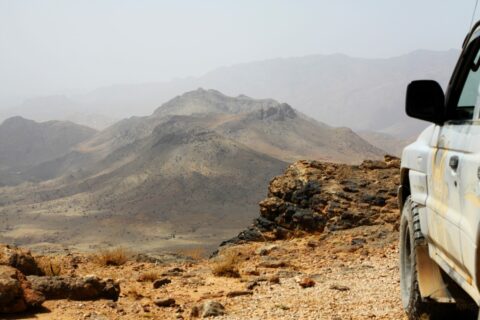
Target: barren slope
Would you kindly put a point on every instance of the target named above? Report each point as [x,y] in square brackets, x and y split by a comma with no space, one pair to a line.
[180,180]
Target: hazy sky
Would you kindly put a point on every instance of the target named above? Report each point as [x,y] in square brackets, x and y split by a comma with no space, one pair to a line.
[49,47]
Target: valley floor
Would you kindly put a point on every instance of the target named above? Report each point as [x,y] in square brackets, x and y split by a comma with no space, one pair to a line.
[351,274]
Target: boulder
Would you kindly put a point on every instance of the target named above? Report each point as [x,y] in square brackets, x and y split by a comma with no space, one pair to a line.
[161,282]
[20,259]
[208,309]
[73,288]
[16,293]
[163,303]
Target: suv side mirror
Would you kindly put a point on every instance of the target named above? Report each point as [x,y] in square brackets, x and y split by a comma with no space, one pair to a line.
[426,101]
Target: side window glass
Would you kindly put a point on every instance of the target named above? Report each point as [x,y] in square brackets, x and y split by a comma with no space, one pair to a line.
[470,91]
[469,95]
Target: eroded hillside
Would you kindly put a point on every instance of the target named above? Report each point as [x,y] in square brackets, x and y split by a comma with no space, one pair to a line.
[192,173]
[25,144]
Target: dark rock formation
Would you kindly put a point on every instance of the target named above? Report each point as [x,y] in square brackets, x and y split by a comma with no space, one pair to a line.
[312,196]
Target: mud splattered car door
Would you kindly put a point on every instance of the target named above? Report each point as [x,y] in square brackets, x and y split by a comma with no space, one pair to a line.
[444,198]
[460,138]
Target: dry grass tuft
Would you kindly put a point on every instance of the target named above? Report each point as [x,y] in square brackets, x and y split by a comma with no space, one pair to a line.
[227,265]
[148,276]
[197,253]
[50,265]
[113,257]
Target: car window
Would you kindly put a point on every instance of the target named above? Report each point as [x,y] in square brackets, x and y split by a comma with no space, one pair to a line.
[470,91]
[469,95]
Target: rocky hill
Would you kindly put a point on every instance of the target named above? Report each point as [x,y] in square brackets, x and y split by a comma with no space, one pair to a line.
[192,172]
[264,125]
[181,180]
[287,134]
[26,143]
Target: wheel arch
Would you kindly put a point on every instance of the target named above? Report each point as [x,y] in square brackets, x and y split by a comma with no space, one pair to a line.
[404,187]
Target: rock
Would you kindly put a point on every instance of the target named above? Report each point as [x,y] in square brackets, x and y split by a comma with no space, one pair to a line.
[173,272]
[16,293]
[251,272]
[358,241]
[375,200]
[306,282]
[349,186]
[208,309]
[263,224]
[271,207]
[163,303]
[265,250]
[164,258]
[281,233]
[73,288]
[373,164]
[306,219]
[161,282]
[339,287]
[312,244]
[251,234]
[20,259]
[251,284]
[392,161]
[273,263]
[311,196]
[233,294]
[142,257]
[274,279]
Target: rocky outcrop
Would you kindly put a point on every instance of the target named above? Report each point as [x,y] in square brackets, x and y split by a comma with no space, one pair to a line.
[85,288]
[20,259]
[312,196]
[23,286]
[16,293]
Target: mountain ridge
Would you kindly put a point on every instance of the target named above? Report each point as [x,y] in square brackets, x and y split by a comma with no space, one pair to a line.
[314,84]
[25,142]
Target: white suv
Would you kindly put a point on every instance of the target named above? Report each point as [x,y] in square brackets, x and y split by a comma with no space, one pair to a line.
[440,194]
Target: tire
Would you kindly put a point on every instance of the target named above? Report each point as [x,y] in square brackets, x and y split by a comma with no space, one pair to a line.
[411,238]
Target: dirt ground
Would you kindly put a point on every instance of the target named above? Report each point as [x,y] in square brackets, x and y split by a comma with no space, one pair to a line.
[350,274]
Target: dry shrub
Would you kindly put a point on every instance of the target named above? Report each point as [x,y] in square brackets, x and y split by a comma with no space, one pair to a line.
[148,276]
[50,265]
[197,253]
[113,257]
[226,265]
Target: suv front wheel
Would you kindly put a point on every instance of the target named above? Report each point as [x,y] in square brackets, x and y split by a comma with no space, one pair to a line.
[411,239]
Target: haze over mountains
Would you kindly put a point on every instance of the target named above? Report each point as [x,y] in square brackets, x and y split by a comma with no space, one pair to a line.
[362,94]
[197,166]
[25,143]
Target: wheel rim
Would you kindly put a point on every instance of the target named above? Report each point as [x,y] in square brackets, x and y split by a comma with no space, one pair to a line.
[406,265]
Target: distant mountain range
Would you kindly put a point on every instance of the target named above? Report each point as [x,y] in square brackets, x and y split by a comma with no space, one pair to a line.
[362,94]
[26,143]
[199,162]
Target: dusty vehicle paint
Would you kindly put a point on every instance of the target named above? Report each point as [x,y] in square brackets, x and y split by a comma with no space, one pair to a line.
[441,172]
